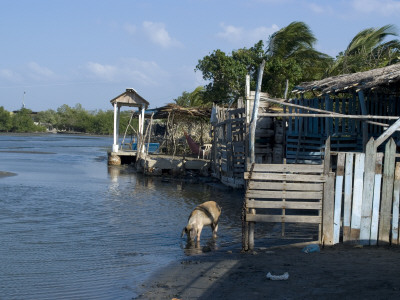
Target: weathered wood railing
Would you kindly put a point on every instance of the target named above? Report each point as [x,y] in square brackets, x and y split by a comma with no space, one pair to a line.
[366,202]
[357,203]
[281,193]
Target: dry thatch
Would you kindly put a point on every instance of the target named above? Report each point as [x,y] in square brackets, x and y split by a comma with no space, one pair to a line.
[181,112]
[382,77]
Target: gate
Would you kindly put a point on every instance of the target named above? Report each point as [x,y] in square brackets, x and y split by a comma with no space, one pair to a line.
[283,193]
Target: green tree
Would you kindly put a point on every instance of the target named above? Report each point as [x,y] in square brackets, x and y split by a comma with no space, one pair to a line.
[103,122]
[369,49]
[22,121]
[195,98]
[5,120]
[49,116]
[225,75]
[291,55]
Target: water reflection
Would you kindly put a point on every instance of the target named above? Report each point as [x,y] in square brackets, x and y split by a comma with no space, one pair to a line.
[195,248]
[74,228]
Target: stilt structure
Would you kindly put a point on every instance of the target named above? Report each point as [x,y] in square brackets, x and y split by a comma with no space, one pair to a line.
[129,98]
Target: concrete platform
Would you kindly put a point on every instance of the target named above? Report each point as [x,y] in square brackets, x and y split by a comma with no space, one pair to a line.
[178,165]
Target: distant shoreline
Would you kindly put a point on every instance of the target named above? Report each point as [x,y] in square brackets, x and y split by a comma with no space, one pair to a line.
[58,132]
[7,174]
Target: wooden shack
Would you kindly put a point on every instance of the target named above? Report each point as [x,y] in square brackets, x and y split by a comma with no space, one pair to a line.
[349,108]
[336,131]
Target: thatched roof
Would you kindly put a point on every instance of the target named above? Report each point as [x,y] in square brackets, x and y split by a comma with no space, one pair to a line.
[382,77]
[179,111]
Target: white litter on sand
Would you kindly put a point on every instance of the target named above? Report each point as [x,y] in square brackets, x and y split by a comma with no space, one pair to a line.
[284,276]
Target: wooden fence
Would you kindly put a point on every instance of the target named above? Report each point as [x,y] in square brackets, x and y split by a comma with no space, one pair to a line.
[366,199]
[230,128]
[356,203]
[283,193]
[228,156]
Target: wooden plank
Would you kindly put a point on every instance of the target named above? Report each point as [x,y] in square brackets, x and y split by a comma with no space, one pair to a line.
[368,193]
[338,197]
[396,195]
[286,177]
[294,168]
[348,190]
[376,199]
[327,209]
[357,197]
[327,156]
[286,218]
[250,203]
[257,185]
[387,193]
[364,112]
[284,194]
[387,133]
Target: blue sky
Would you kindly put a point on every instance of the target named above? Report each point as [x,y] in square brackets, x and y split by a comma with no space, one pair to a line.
[56,52]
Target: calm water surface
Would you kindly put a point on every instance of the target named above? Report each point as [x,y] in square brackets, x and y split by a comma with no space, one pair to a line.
[73,228]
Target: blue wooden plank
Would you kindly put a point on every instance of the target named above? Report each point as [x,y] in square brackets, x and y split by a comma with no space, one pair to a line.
[344,121]
[315,123]
[336,120]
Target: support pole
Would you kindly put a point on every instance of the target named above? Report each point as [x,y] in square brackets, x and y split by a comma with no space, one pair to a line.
[253,121]
[116,127]
[253,124]
[142,109]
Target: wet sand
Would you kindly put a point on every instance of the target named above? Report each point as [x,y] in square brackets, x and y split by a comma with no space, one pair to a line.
[344,271]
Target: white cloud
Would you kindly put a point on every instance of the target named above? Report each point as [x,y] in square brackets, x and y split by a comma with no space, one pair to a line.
[157,33]
[381,7]
[10,75]
[38,72]
[239,35]
[134,71]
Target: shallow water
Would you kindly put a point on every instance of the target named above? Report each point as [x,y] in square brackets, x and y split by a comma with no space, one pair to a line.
[73,228]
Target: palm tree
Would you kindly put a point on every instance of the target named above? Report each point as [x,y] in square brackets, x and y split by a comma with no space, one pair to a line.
[291,55]
[368,50]
[195,98]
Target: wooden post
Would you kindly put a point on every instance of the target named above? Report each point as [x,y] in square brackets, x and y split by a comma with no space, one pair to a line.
[327,209]
[253,124]
[368,193]
[338,197]
[387,193]
[116,127]
[327,166]
[396,195]
[377,199]
[327,156]
[253,121]
[348,192]
[357,197]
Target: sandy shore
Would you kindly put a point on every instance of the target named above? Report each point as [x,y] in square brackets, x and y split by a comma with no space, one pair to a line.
[336,272]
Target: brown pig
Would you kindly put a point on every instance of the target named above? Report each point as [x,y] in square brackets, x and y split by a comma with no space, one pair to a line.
[205,214]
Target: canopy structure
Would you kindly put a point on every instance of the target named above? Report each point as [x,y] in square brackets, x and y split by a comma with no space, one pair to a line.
[129,98]
[179,112]
[386,77]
